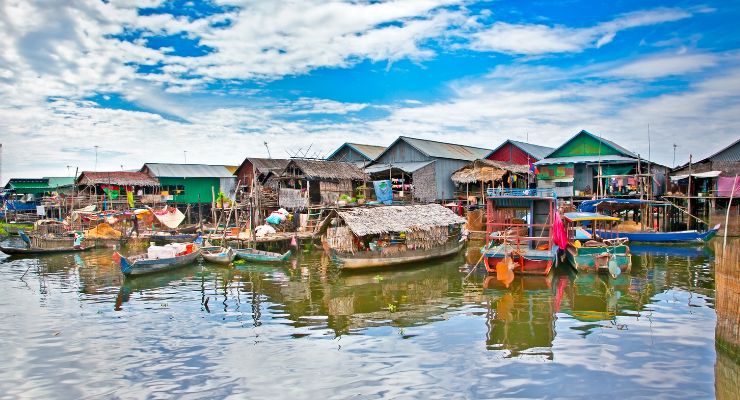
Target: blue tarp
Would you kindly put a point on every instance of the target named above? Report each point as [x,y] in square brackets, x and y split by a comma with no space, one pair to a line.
[383,191]
[15,205]
[590,205]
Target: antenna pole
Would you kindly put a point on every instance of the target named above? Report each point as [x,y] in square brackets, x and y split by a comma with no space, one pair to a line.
[96,157]
[268,150]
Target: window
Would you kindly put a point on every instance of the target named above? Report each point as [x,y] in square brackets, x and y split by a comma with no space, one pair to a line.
[174,190]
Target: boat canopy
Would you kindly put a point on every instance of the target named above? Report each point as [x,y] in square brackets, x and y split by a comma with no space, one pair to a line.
[616,204]
[588,216]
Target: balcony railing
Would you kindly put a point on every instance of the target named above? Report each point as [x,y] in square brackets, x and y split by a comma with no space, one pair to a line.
[518,192]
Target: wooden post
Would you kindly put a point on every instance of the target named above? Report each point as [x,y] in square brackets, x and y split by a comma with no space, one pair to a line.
[727,216]
[200,215]
[688,197]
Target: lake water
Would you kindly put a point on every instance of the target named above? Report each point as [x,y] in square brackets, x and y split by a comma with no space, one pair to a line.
[72,327]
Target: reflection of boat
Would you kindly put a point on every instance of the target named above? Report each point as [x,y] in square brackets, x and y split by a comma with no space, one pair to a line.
[614,205]
[142,264]
[674,251]
[218,254]
[262,256]
[41,250]
[662,237]
[364,260]
[519,225]
[521,319]
[596,254]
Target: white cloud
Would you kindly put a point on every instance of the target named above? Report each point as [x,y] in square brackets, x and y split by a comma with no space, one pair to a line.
[533,39]
[664,65]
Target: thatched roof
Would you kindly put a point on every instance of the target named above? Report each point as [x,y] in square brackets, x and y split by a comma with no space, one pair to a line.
[486,170]
[123,178]
[377,220]
[322,169]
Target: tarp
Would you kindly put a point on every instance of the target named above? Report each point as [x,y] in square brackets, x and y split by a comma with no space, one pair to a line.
[724,186]
[170,217]
[590,205]
[607,170]
[102,231]
[383,191]
[709,174]
[16,205]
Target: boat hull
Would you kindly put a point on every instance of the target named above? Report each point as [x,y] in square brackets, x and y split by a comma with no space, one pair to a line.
[262,256]
[663,237]
[145,266]
[596,259]
[218,255]
[39,251]
[533,262]
[358,262]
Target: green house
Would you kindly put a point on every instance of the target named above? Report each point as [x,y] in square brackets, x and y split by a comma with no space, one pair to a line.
[572,169]
[192,183]
[39,186]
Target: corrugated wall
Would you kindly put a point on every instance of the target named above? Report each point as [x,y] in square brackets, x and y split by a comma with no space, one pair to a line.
[443,175]
[402,152]
[512,154]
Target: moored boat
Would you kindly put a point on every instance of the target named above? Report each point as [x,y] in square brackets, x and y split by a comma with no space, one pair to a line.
[592,253]
[158,258]
[691,236]
[42,250]
[261,255]
[519,231]
[218,254]
[388,236]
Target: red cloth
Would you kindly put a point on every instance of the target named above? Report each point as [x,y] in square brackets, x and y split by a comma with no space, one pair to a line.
[724,186]
[559,236]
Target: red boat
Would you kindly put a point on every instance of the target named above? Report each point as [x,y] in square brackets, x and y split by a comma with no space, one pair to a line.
[519,231]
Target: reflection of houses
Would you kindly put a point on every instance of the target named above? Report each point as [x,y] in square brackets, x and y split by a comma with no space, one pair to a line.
[259,174]
[307,182]
[191,183]
[422,168]
[512,151]
[587,164]
[704,187]
[473,179]
[113,187]
[358,154]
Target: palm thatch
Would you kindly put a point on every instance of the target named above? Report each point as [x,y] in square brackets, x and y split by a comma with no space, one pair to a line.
[322,169]
[486,170]
[379,220]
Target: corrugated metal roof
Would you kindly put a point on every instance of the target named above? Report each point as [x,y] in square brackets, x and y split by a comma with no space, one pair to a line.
[586,159]
[535,150]
[408,167]
[188,170]
[59,181]
[444,150]
[265,165]
[368,150]
[729,153]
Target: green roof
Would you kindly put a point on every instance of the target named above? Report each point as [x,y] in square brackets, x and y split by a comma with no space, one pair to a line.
[60,181]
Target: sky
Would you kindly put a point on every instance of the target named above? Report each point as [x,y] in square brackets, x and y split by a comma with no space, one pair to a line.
[214,82]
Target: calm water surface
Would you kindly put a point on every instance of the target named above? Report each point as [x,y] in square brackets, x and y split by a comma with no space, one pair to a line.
[72,327]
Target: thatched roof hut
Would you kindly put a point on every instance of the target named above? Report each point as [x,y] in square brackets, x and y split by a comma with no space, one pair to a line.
[487,171]
[385,219]
[322,169]
[122,178]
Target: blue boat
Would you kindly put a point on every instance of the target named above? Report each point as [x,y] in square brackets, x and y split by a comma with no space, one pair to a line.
[663,237]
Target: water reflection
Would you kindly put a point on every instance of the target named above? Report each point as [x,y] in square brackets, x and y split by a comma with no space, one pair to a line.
[429,330]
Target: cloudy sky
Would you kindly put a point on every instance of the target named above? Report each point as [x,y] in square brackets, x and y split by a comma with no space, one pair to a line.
[156,81]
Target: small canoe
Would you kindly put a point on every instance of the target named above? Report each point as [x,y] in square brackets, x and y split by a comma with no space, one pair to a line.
[141,264]
[663,237]
[262,256]
[598,258]
[41,250]
[218,254]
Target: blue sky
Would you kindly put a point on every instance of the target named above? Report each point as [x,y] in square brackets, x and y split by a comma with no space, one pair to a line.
[148,80]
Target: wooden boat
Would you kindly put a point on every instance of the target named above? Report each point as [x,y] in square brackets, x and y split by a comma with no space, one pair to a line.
[614,206]
[176,238]
[373,259]
[41,250]
[262,256]
[141,264]
[218,254]
[596,254]
[529,245]
[663,237]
